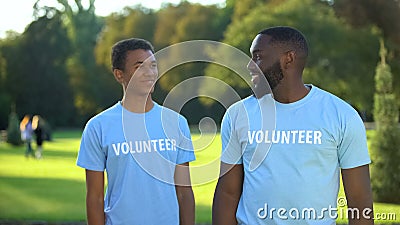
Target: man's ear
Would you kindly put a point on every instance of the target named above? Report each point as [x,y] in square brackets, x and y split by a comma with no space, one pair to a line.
[288,59]
[118,75]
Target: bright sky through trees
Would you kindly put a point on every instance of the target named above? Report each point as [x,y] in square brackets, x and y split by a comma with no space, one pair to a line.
[17,14]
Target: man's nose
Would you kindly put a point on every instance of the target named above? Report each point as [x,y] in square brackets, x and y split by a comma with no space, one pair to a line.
[251,65]
[150,71]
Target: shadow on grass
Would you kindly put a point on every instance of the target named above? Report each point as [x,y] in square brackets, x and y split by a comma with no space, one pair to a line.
[41,199]
[67,134]
[7,149]
[47,201]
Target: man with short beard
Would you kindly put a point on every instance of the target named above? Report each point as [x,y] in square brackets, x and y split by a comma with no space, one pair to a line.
[283,148]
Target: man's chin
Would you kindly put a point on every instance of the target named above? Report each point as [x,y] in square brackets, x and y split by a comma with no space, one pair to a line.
[142,93]
[259,90]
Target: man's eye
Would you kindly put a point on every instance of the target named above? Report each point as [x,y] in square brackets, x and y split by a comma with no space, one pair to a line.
[256,57]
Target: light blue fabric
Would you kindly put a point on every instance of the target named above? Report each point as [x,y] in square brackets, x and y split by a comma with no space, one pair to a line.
[139,153]
[292,155]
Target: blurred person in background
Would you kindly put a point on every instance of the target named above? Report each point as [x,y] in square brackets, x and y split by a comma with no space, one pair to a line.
[37,126]
[26,134]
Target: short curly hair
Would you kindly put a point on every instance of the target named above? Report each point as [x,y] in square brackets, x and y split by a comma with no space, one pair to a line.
[288,37]
[120,49]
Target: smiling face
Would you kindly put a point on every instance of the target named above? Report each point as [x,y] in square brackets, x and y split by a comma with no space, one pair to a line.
[265,66]
[140,72]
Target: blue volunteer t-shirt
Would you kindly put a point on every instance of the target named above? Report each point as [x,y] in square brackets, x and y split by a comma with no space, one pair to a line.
[292,155]
[139,152]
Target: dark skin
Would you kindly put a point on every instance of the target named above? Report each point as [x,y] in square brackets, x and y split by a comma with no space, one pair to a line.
[287,86]
[140,74]
[227,194]
[357,186]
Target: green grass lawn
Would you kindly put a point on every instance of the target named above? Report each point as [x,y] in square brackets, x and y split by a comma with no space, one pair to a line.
[50,189]
[53,188]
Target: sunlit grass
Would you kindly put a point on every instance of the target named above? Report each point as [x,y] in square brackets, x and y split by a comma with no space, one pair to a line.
[50,189]
[53,188]
[208,149]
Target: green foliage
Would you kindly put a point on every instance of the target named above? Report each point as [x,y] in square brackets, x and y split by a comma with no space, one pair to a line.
[83,28]
[13,131]
[132,22]
[198,22]
[36,78]
[362,13]
[4,96]
[338,61]
[47,74]
[244,7]
[189,22]
[64,55]
[3,66]
[386,143]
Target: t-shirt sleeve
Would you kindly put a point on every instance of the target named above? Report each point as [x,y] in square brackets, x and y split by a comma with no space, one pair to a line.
[185,145]
[91,156]
[353,149]
[231,148]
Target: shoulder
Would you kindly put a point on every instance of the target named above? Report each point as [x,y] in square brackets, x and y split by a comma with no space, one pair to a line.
[108,114]
[245,108]
[172,119]
[173,122]
[241,105]
[168,113]
[332,102]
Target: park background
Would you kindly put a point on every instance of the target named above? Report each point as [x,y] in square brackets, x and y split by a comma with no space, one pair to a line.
[59,68]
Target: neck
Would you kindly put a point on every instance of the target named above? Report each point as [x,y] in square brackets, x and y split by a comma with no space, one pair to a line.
[137,104]
[290,92]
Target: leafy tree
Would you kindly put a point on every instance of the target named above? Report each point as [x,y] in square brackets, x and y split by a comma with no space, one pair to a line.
[13,131]
[8,52]
[198,23]
[131,22]
[36,78]
[385,172]
[338,61]
[364,12]
[244,7]
[3,66]
[83,28]
[166,26]
[4,96]
[382,14]
[188,22]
